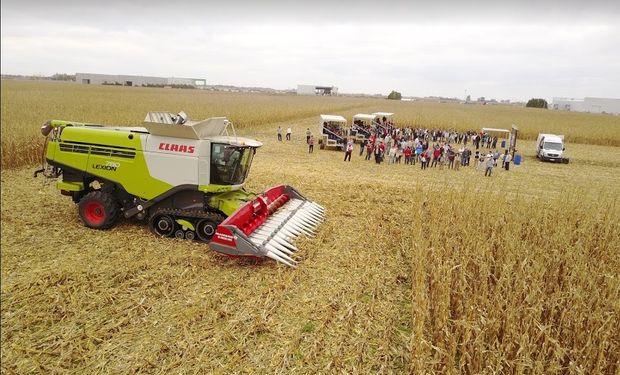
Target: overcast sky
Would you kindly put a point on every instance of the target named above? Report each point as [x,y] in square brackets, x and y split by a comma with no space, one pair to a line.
[496,49]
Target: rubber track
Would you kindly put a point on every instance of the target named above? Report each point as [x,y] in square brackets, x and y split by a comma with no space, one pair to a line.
[178,213]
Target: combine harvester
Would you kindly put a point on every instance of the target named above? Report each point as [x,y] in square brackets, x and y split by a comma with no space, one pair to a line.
[186,178]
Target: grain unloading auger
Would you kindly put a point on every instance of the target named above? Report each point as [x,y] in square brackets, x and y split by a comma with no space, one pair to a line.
[185,177]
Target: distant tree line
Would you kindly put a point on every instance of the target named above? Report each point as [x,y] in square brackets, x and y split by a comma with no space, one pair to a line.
[63,77]
[395,95]
[537,103]
[55,77]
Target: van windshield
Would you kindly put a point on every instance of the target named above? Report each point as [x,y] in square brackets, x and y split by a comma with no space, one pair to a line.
[553,146]
[230,164]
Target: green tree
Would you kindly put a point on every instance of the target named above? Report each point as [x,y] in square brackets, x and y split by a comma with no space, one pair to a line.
[537,103]
[63,77]
[395,95]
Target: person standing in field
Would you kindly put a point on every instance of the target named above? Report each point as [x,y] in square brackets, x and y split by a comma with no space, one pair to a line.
[362,147]
[279,133]
[495,157]
[436,155]
[377,153]
[489,164]
[418,152]
[407,154]
[507,159]
[369,148]
[423,159]
[308,135]
[392,155]
[310,144]
[451,158]
[349,151]
[289,131]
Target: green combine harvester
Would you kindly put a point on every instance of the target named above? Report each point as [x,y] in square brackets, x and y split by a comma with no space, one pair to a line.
[185,177]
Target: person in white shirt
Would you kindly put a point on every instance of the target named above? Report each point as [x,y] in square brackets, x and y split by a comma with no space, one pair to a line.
[348,151]
[288,133]
[507,159]
[489,164]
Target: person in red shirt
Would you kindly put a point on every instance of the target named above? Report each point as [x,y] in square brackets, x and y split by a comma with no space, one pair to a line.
[436,155]
[424,159]
[407,154]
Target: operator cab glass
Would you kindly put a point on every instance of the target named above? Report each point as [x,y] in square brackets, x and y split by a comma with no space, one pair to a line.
[553,146]
[230,164]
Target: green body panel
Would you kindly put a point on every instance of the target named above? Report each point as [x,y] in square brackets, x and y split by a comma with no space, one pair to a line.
[186,224]
[229,202]
[115,154]
[70,186]
[131,173]
[116,137]
[215,188]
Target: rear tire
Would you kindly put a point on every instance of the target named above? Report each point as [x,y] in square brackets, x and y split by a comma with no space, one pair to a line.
[98,210]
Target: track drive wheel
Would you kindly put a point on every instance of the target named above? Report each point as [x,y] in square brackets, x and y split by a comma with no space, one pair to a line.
[162,225]
[205,229]
[98,210]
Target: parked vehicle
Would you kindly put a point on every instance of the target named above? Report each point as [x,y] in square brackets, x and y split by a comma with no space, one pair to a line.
[550,147]
[185,177]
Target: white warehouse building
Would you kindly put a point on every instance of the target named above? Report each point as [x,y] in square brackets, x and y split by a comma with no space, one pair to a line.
[129,80]
[317,90]
[592,105]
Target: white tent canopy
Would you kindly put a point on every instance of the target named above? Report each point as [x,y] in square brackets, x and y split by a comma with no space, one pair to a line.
[495,130]
[382,114]
[333,118]
[363,116]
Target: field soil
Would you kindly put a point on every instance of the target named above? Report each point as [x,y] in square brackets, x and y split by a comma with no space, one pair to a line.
[435,271]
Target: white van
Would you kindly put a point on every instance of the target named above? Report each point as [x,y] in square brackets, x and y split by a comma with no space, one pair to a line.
[550,147]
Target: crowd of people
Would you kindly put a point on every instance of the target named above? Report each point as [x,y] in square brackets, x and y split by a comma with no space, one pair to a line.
[432,148]
[334,129]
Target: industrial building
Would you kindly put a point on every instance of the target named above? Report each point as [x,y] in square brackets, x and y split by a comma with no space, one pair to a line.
[128,80]
[592,105]
[317,90]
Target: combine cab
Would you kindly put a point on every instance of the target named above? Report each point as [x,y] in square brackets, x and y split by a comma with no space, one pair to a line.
[185,178]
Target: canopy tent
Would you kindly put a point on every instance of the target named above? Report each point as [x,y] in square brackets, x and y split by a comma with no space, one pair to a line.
[333,118]
[505,132]
[364,117]
[383,114]
[509,135]
[333,130]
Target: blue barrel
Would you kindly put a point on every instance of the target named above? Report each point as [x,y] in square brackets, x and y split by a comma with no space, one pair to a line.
[503,144]
[517,159]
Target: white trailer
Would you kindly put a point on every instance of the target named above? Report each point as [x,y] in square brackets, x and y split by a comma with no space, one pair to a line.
[382,117]
[333,131]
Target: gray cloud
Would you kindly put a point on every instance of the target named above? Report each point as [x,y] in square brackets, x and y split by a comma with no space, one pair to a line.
[493,49]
